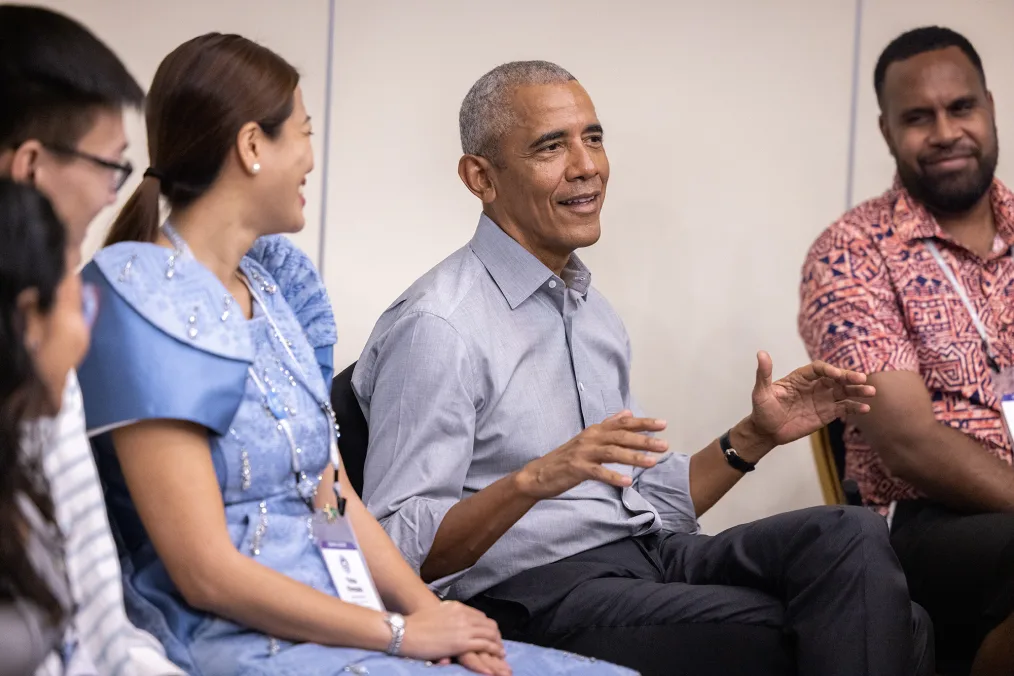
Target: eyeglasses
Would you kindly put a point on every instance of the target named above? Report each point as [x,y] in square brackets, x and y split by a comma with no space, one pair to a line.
[122,171]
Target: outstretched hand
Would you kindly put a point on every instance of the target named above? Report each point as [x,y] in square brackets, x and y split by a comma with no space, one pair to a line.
[805,400]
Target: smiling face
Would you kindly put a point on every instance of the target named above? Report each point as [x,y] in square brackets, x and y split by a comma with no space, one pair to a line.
[938,121]
[548,188]
[285,164]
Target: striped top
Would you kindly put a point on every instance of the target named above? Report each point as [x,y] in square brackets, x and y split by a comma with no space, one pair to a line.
[100,624]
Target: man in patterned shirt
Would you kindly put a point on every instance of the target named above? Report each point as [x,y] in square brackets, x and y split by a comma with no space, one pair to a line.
[915,287]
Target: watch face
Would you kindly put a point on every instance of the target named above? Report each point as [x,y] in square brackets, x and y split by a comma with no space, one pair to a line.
[397,620]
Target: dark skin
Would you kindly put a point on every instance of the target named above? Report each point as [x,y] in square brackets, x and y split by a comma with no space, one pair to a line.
[545,189]
[938,120]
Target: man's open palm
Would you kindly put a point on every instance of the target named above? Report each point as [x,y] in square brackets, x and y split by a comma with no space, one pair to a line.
[805,400]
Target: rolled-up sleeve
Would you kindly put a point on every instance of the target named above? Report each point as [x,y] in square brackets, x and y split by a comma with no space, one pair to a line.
[667,487]
[416,385]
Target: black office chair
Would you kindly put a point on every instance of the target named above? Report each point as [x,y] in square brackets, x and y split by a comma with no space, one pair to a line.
[355,435]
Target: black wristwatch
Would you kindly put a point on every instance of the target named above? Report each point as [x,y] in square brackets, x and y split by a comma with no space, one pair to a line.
[733,458]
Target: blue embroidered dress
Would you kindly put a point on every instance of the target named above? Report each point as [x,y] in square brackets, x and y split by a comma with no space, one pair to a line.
[170,344]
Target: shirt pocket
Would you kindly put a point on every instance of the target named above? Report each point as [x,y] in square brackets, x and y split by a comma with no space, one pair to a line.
[612,401]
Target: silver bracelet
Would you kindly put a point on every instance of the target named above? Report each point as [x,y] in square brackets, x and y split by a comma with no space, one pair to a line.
[396,623]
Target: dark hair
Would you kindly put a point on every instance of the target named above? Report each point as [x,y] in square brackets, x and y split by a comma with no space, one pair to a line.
[919,41]
[202,95]
[54,76]
[32,240]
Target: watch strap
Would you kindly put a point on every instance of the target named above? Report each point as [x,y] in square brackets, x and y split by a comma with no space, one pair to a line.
[732,457]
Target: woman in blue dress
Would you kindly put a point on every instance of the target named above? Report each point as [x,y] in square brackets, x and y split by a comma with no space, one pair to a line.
[206,393]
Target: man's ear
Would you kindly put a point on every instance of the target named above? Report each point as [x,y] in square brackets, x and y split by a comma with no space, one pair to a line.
[886,133]
[24,161]
[477,174]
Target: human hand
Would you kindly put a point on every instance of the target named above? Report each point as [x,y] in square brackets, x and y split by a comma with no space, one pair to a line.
[450,628]
[798,404]
[484,663]
[616,439]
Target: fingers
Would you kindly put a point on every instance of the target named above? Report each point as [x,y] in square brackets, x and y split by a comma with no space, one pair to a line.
[608,476]
[843,376]
[859,391]
[497,665]
[473,614]
[481,645]
[634,441]
[764,367]
[624,455]
[626,421]
[475,663]
[485,628]
[484,663]
[848,407]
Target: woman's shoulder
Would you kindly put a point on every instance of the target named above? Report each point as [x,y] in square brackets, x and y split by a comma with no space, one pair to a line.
[286,268]
[142,283]
[168,341]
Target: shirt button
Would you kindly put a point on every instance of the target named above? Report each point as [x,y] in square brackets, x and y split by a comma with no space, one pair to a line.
[552,284]
[580,386]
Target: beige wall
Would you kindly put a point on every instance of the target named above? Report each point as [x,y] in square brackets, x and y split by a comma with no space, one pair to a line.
[728,129]
[142,32]
[727,134]
[986,23]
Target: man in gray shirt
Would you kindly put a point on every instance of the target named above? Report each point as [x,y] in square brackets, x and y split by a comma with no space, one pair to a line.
[510,464]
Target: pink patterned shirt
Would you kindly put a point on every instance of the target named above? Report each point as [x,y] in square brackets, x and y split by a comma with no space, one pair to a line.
[874,299]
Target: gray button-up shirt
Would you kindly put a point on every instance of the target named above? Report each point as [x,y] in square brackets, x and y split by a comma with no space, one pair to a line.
[486,363]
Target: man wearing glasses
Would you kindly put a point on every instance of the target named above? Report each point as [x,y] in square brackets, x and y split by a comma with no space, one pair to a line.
[61,124]
[61,130]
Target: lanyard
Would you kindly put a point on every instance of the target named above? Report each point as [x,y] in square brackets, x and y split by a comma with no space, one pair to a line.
[325,406]
[960,289]
[180,246]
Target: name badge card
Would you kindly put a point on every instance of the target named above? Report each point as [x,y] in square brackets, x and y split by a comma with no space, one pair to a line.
[345,562]
[1003,387]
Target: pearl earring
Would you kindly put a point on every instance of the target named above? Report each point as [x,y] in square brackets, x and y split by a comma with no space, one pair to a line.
[256,168]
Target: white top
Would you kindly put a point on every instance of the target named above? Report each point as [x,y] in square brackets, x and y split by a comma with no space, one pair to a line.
[105,637]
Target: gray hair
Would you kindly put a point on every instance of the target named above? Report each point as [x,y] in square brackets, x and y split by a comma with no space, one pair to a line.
[486,114]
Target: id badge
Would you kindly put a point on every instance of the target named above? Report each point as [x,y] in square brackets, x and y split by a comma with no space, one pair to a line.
[345,563]
[1003,387]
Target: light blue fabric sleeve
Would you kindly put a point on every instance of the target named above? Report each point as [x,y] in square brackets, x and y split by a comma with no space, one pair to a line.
[142,363]
[303,289]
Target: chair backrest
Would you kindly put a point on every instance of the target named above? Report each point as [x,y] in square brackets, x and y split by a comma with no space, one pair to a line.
[355,435]
[828,446]
[827,473]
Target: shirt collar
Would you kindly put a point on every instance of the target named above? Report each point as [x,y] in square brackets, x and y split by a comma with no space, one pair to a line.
[517,273]
[912,221]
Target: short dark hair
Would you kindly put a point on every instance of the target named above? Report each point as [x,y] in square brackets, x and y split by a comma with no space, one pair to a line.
[54,75]
[919,41]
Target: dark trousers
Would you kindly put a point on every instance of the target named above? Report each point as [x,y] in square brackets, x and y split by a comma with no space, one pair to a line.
[960,567]
[818,592]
